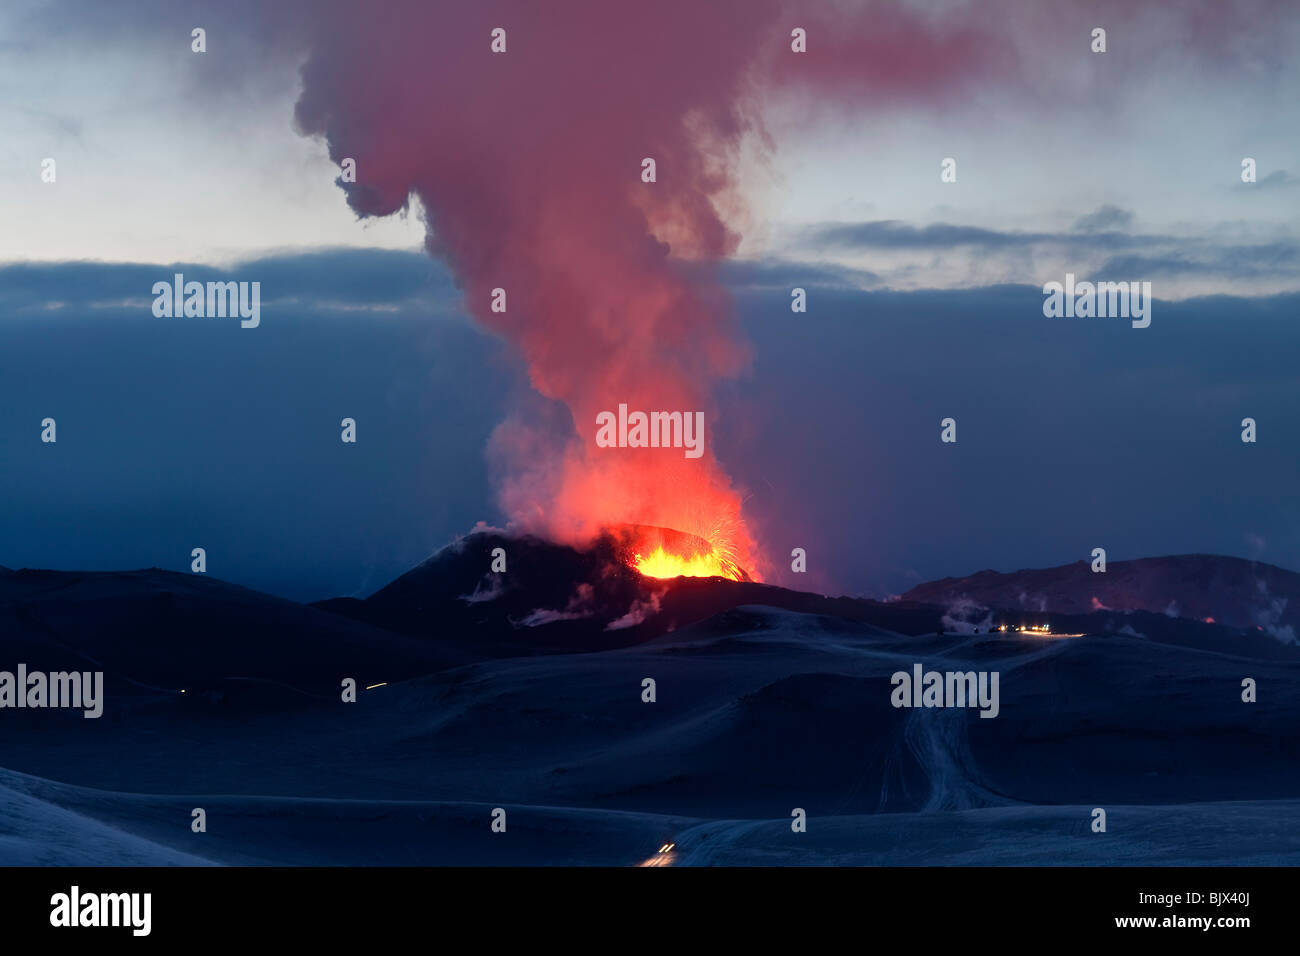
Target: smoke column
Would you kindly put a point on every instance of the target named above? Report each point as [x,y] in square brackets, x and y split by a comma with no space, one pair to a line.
[528,165]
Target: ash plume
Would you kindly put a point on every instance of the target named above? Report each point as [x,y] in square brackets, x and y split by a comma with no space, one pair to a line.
[527,166]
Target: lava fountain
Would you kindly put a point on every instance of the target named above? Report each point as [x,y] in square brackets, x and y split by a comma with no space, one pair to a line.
[665,553]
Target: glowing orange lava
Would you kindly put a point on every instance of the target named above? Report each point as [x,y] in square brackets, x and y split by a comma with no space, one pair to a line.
[664,553]
[660,564]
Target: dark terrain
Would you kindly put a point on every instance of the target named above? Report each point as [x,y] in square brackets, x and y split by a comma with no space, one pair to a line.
[523,691]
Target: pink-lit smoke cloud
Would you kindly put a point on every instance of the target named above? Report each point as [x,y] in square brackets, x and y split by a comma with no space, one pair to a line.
[528,165]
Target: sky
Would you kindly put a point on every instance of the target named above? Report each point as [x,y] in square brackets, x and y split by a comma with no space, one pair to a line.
[924,296]
[165,155]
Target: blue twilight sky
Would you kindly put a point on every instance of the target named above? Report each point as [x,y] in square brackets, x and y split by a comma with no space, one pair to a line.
[924,302]
[1072,435]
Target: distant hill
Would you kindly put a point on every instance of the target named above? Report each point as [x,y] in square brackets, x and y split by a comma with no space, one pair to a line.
[556,599]
[1229,591]
[155,630]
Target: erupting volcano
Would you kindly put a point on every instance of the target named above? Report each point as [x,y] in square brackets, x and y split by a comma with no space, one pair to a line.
[582,183]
